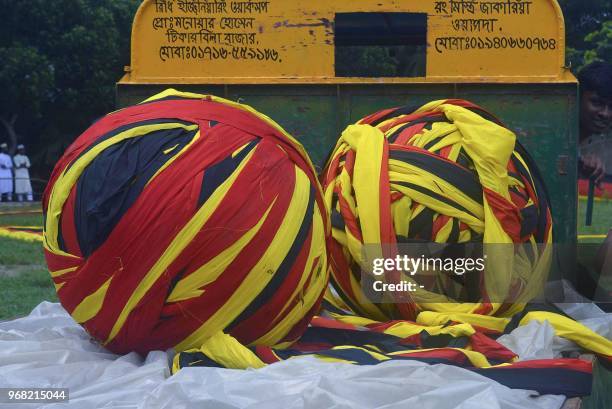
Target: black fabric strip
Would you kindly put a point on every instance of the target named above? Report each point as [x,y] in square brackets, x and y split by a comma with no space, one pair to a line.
[405,110]
[435,196]
[529,222]
[421,226]
[454,234]
[546,381]
[196,359]
[442,341]
[124,128]
[467,181]
[337,220]
[346,300]
[515,175]
[285,267]
[358,356]
[327,306]
[218,173]
[432,143]
[335,336]
[60,237]
[114,180]
[539,187]
[464,160]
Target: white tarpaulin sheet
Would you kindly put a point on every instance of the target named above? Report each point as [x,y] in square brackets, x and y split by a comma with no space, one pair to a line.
[48,349]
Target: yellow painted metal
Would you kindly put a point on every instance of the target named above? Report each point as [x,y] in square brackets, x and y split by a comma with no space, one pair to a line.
[292,41]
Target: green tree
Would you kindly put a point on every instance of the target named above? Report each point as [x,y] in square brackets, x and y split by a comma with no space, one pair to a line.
[65,57]
[602,44]
[583,20]
[26,79]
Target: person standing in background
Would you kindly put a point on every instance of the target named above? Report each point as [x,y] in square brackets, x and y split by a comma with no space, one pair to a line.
[23,186]
[6,175]
[595,164]
[595,120]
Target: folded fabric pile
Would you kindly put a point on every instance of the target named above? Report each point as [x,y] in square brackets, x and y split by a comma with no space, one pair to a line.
[463,340]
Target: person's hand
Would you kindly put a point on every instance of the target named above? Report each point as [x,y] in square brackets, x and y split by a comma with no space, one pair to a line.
[595,168]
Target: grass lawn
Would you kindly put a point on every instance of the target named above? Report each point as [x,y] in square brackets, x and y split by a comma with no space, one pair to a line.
[602,220]
[19,253]
[24,279]
[21,293]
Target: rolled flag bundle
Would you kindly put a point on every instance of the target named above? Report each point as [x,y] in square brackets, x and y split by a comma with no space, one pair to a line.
[447,172]
[184,220]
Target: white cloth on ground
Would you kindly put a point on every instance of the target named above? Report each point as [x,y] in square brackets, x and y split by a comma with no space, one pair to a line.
[48,349]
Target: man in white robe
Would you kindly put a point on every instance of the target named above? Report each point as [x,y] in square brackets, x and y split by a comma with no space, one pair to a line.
[23,186]
[6,174]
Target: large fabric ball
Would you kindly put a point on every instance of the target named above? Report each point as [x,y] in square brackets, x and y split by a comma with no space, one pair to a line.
[447,172]
[184,217]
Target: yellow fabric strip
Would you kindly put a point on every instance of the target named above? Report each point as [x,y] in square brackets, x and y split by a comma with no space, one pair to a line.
[572,330]
[189,287]
[399,209]
[172,93]
[167,151]
[226,351]
[308,295]
[175,157]
[591,236]
[373,354]
[20,235]
[91,305]
[406,329]
[404,172]
[452,138]
[237,151]
[431,318]
[441,207]
[353,320]
[59,273]
[444,233]
[368,144]
[476,358]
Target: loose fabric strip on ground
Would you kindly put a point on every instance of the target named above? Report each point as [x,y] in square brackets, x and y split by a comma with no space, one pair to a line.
[454,343]
[23,233]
